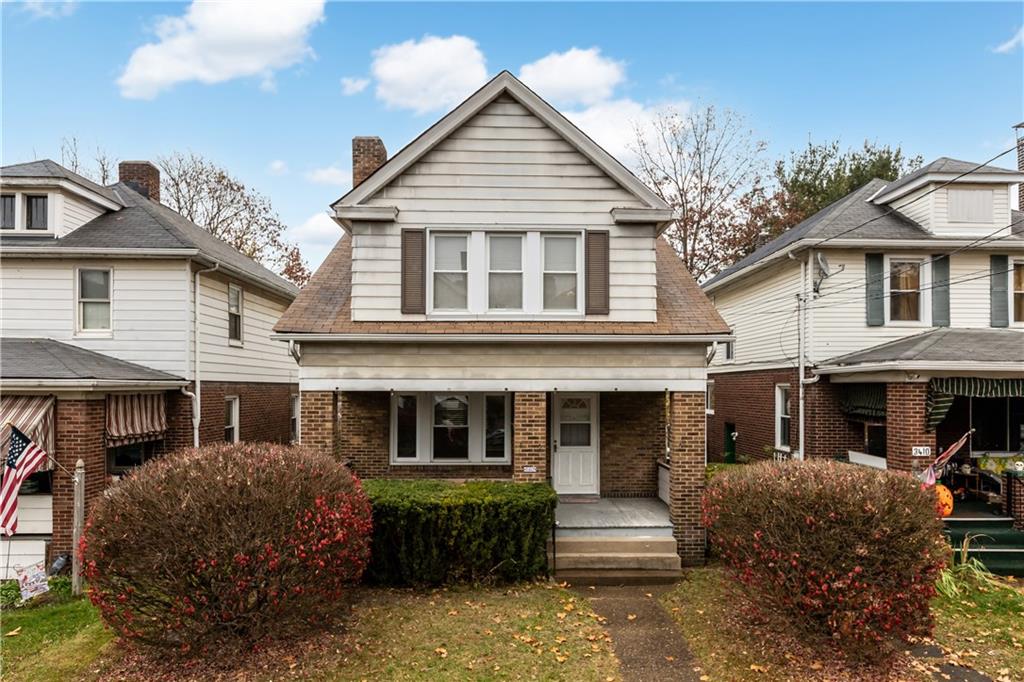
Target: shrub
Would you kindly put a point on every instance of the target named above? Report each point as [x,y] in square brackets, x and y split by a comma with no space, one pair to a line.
[433,532]
[830,549]
[223,545]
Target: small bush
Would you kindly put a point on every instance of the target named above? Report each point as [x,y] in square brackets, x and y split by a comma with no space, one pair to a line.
[225,545]
[433,532]
[831,549]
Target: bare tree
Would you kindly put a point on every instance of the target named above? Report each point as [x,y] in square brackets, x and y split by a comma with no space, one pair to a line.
[209,196]
[708,167]
[69,154]
[105,166]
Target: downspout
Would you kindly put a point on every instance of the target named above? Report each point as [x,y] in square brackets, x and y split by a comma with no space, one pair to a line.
[197,399]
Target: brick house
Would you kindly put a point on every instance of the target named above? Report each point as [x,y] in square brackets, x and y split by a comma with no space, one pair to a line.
[910,331]
[127,331]
[501,306]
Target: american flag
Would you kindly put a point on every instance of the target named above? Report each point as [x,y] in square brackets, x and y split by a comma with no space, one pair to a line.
[23,458]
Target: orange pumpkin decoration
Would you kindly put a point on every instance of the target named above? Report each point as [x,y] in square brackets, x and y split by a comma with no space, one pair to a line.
[943,501]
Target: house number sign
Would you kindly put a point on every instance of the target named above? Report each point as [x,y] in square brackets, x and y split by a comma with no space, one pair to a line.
[921,451]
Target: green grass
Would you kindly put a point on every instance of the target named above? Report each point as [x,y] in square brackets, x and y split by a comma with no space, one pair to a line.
[982,627]
[528,631]
[54,641]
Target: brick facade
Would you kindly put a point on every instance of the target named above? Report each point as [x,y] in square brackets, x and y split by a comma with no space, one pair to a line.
[632,440]
[530,437]
[905,426]
[143,175]
[264,411]
[80,434]
[686,474]
[1013,499]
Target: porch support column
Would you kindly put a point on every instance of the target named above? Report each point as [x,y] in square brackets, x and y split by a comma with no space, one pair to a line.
[686,474]
[905,427]
[530,438]
[318,421]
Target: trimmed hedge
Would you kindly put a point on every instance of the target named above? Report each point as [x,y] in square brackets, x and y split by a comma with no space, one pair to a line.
[436,532]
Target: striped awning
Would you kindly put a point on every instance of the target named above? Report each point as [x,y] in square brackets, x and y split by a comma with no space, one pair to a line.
[135,417]
[863,401]
[941,392]
[33,415]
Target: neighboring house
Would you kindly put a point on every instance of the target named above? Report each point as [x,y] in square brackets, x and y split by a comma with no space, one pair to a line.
[501,306]
[127,331]
[913,328]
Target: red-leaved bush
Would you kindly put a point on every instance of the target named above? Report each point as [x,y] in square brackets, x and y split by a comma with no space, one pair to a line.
[830,549]
[226,545]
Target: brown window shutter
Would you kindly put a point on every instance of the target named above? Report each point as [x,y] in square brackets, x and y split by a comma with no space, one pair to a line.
[414,271]
[596,258]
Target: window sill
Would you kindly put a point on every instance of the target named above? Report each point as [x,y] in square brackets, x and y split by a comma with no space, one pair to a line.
[236,344]
[109,334]
[447,316]
[450,462]
[907,323]
[709,413]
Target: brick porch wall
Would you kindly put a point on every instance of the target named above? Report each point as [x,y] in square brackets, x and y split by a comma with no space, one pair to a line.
[632,440]
[530,437]
[1013,499]
[747,400]
[80,433]
[686,473]
[905,426]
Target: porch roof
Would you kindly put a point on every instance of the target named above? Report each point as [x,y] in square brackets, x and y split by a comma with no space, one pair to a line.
[38,362]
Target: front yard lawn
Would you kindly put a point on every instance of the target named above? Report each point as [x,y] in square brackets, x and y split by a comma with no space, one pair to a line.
[980,630]
[530,631]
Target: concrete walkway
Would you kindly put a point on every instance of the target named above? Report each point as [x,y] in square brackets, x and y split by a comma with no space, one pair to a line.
[646,641]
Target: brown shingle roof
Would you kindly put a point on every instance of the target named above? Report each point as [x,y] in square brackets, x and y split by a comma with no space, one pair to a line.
[323,307]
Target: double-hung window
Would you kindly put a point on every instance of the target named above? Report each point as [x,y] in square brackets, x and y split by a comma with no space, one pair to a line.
[235,308]
[231,419]
[450,428]
[94,300]
[505,272]
[561,272]
[1017,280]
[905,290]
[35,212]
[783,416]
[451,271]
[295,412]
[7,210]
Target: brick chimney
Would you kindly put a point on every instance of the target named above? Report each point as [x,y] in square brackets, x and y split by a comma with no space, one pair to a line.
[368,154]
[142,176]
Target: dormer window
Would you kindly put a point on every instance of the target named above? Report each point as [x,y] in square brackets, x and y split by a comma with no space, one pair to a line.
[35,212]
[7,209]
[970,205]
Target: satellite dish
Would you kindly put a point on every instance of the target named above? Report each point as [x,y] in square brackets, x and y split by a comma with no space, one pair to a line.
[823,266]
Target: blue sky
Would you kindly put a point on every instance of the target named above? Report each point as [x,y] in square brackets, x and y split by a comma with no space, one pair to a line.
[260,90]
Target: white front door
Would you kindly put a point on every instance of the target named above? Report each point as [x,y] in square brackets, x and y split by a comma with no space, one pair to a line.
[574,446]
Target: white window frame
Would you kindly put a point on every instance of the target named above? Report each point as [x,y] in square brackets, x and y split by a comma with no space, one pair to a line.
[425,428]
[296,418]
[478,264]
[578,272]
[709,397]
[779,402]
[987,202]
[924,287]
[521,272]
[240,341]
[234,402]
[1014,264]
[14,205]
[54,205]
[80,330]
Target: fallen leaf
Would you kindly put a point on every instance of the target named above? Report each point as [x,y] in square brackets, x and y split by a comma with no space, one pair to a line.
[758,668]
[441,651]
[670,658]
[631,616]
[15,632]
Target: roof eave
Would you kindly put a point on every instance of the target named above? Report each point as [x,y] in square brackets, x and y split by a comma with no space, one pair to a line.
[921,366]
[65,184]
[504,337]
[91,384]
[1005,178]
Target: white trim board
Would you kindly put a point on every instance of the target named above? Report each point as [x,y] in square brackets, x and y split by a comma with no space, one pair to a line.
[492,385]
[702,339]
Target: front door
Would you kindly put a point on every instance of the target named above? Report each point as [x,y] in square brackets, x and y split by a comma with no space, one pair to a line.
[574,446]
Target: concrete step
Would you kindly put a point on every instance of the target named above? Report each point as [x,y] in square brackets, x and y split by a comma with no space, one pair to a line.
[618,531]
[647,561]
[618,577]
[608,544]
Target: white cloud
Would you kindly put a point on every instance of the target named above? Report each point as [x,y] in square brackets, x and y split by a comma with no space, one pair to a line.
[612,124]
[353,86]
[277,167]
[575,76]
[215,42]
[428,74]
[50,9]
[315,237]
[330,175]
[1012,44]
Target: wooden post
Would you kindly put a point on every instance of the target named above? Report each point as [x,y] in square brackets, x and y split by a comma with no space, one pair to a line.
[78,525]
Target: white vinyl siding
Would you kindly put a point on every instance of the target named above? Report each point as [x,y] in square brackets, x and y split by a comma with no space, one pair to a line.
[503,170]
[260,358]
[149,312]
[969,205]
[76,213]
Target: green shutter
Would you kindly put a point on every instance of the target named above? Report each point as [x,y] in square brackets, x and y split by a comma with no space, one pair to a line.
[940,291]
[874,289]
[999,278]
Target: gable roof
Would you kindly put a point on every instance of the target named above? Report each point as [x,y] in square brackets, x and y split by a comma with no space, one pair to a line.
[49,169]
[504,82]
[946,169]
[45,359]
[845,214]
[146,225]
[324,307]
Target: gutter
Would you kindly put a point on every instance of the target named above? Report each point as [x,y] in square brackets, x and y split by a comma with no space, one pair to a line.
[923,366]
[58,251]
[105,384]
[505,338]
